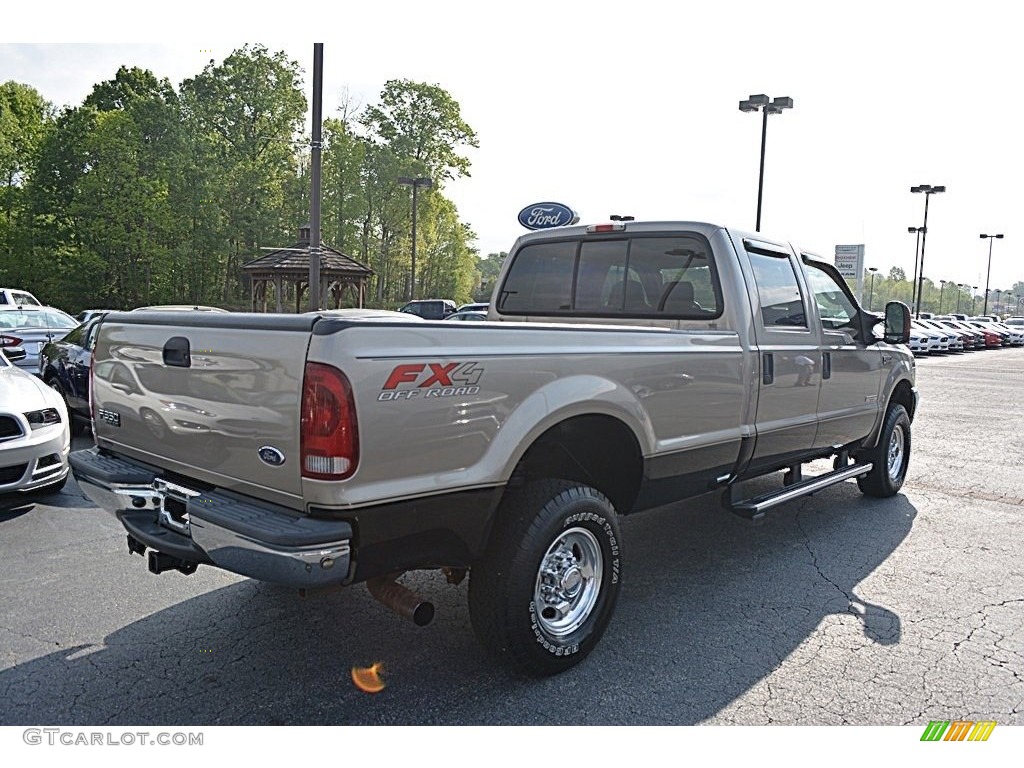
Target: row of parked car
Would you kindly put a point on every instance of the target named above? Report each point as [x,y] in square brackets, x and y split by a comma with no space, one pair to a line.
[45,355]
[959,333]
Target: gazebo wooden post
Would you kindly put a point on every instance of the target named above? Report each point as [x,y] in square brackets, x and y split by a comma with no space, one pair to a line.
[277,292]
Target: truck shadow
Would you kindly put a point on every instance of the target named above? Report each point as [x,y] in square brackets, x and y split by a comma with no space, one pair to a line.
[710,606]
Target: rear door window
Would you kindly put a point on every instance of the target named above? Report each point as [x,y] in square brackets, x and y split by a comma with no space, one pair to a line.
[782,304]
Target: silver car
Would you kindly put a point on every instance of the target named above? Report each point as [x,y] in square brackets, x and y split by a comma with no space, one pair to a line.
[31,328]
[34,435]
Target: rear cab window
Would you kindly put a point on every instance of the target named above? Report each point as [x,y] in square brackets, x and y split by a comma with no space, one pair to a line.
[641,275]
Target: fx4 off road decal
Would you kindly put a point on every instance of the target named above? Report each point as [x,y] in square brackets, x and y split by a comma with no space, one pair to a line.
[422,381]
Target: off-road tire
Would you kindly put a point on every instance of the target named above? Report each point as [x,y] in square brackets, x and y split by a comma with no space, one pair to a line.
[545,590]
[891,456]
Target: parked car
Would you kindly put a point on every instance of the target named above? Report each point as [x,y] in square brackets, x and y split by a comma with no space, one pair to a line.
[1014,322]
[467,315]
[16,297]
[430,309]
[88,314]
[480,306]
[34,436]
[32,327]
[12,347]
[918,342]
[938,341]
[64,366]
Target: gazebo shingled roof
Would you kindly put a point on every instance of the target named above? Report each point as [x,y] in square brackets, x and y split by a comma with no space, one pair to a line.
[337,272]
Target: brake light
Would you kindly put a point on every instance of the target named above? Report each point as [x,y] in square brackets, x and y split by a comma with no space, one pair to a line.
[9,341]
[329,436]
[605,227]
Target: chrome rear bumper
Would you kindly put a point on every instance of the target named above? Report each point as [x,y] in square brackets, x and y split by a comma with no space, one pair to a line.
[227,530]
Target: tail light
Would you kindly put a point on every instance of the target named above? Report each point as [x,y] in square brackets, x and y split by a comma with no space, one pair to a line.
[329,437]
[9,341]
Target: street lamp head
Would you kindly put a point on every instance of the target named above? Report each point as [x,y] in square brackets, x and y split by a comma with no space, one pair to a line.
[424,181]
[758,99]
[746,106]
[943,282]
[921,188]
[406,180]
[872,269]
[782,102]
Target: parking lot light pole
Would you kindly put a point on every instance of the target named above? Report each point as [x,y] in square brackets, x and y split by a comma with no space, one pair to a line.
[928,190]
[988,271]
[995,308]
[917,250]
[974,297]
[871,287]
[415,184]
[959,292]
[756,102]
[942,287]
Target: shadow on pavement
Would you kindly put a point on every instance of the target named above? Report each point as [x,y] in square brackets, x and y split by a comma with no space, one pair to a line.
[710,606]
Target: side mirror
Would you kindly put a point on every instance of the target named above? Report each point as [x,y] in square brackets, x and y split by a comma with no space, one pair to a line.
[897,323]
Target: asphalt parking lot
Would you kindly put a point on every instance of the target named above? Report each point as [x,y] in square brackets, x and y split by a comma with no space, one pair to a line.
[835,609]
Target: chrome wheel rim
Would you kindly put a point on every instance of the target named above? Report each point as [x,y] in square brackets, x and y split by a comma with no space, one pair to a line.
[568,582]
[895,454]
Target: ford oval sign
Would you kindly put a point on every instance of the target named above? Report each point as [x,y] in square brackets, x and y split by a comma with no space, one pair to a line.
[547,215]
[271,455]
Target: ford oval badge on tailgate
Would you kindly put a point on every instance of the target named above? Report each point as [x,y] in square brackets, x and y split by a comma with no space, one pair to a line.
[270,455]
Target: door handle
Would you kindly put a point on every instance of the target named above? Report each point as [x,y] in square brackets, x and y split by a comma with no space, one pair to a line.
[768,368]
[826,365]
[886,359]
[176,352]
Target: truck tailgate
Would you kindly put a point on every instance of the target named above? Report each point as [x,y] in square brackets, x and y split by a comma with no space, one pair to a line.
[214,397]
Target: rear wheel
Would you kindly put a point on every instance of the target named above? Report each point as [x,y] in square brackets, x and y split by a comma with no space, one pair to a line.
[544,593]
[890,457]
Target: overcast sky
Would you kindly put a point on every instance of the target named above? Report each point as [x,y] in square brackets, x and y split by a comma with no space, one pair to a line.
[632,108]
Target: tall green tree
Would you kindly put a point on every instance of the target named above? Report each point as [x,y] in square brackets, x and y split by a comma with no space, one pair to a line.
[247,111]
[422,123]
[25,117]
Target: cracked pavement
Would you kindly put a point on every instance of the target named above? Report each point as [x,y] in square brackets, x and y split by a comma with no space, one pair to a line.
[836,609]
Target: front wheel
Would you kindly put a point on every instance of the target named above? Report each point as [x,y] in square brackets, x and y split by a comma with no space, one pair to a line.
[544,593]
[890,457]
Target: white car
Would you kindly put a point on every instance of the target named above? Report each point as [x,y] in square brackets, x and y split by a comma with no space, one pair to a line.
[918,342]
[13,297]
[34,434]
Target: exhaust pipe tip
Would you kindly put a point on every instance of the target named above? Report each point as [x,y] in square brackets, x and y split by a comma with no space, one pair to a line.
[423,614]
[401,600]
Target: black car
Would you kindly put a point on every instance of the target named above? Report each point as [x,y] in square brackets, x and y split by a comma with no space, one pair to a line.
[64,365]
[430,309]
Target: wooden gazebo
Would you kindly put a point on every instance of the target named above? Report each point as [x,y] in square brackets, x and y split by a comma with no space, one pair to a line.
[287,267]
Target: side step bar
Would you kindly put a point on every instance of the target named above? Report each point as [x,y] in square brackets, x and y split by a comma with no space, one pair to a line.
[754,509]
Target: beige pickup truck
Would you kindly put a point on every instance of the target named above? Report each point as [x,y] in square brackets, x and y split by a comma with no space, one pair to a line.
[623,367]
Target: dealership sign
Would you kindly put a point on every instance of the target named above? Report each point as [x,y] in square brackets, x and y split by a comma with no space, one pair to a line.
[547,215]
[850,261]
